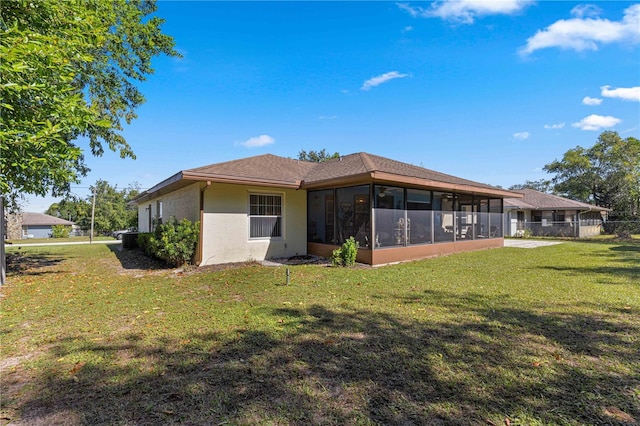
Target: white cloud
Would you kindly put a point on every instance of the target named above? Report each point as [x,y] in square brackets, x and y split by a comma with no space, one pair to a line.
[586,10]
[587,33]
[411,10]
[521,135]
[465,11]
[257,141]
[587,100]
[624,93]
[596,122]
[407,29]
[554,126]
[383,78]
[327,117]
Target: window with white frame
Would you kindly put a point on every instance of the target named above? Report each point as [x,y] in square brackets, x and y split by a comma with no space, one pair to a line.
[265,216]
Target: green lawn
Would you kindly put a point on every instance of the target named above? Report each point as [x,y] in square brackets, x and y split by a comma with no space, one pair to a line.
[56,240]
[536,336]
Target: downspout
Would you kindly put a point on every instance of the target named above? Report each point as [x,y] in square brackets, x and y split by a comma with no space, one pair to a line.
[200,248]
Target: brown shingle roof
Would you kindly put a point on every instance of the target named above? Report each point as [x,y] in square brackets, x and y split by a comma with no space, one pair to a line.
[536,200]
[41,219]
[272,170]
[362,162]
[262,168]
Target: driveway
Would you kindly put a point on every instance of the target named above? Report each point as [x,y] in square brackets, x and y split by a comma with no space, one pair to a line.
[521,243]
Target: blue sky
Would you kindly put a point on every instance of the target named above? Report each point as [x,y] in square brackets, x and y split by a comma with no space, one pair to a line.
[487,91]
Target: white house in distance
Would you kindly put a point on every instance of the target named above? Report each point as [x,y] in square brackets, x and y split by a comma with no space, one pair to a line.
[268,207]
[550,215]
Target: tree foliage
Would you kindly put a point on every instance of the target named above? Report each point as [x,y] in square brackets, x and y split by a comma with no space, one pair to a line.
[60,231]
[316,156]
[73,209]
[112,210]
[69,70]
[607,174]
[542,185]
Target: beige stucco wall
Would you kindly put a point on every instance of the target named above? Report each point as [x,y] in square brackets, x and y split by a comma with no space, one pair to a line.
[226,225]
[586,231]
[183,203]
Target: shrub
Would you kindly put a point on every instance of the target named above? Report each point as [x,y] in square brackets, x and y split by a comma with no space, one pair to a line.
[174,242]
[144,242]
[60,231]
[345,255]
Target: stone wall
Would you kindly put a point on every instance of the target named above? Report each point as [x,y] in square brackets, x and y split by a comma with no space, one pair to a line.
[14,226]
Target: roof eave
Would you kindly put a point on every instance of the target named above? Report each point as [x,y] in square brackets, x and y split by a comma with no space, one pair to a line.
[360,178]
[168,184]
[390,178]
[443,186]
[186,177]
[240,180]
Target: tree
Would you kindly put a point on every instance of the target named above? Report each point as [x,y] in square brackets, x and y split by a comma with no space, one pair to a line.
[316,156]
[541,185]
[607,174]
[69,70]
[60,231]
[73,209]
[112,211]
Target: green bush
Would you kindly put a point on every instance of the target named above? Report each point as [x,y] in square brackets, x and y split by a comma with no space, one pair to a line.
[174,242]
[144,242]
[345,255]
[60,231]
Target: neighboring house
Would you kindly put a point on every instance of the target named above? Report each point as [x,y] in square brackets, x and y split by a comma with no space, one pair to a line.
[268,207]
[549,215]
[32,225]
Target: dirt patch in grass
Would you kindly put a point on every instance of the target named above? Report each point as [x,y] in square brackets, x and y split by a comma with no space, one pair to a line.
[23,263]
[133,261]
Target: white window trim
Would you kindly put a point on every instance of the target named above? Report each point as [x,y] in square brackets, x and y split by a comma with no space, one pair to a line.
[282,215]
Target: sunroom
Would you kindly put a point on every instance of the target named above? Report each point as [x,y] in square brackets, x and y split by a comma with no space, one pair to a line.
[398,222]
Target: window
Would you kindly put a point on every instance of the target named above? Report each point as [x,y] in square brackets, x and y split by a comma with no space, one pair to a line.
[353,214]
[419,216]
[265,216]
[158,218]
[320,216]
[389,198]
[418,199]
[443,216]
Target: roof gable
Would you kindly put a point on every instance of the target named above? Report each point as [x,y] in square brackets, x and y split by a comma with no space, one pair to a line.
[363,163]
[262,168]
[41,219]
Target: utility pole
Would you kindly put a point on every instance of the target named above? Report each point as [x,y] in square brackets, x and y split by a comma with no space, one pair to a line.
[3,258]
[93,212]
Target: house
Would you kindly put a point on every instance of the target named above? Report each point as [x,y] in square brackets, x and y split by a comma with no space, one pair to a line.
[550,215]
[32,225]
[268,207]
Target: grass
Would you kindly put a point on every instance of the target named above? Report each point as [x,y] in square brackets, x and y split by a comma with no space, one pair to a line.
[56,240]
[543,336]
